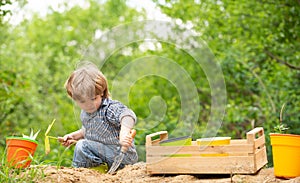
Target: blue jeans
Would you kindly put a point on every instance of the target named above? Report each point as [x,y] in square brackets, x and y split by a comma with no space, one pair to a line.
[91,154]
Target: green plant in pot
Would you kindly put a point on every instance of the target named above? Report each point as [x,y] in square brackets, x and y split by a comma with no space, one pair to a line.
[285,150]
[20,150]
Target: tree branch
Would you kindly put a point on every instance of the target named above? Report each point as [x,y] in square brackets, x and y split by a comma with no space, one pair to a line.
[281,61]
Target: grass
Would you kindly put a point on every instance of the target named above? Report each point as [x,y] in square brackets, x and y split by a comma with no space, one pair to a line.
[35,172]
[10,174]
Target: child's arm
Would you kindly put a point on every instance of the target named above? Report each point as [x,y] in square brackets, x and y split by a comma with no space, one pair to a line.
[127,124]
[68,139]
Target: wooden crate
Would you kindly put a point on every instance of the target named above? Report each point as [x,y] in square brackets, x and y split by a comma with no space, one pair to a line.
[243,156]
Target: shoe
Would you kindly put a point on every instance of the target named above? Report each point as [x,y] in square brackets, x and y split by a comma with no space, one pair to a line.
[103,168]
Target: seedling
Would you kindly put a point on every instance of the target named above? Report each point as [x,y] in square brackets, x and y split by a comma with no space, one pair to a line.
[281,128]
[31,136]
[48,137]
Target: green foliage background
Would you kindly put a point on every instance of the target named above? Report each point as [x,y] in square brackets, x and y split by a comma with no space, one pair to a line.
[255,42]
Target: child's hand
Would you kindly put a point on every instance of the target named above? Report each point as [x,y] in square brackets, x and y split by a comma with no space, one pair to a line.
[67,140]
[71,138]
[126,140]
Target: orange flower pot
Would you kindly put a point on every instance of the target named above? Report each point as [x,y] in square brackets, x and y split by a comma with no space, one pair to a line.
[20,151]
[286,155]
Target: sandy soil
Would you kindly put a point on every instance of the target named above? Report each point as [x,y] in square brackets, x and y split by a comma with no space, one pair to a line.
[137,173]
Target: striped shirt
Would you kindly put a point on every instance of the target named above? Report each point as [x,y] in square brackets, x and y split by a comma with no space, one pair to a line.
[104,125]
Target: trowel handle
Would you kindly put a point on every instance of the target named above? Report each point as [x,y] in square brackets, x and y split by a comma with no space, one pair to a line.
[124,149]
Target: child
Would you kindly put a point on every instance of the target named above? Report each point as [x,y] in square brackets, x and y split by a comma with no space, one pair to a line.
[106,123]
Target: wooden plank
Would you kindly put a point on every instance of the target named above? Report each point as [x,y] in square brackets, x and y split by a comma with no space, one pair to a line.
[162,136]
[194,150]
[155,142]
[206,154]
[259,142]
[251,135]
[232,142]
[238,141]
[261,158]
[200,165]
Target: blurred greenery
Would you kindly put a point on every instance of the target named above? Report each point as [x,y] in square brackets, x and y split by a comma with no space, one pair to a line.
[256,43]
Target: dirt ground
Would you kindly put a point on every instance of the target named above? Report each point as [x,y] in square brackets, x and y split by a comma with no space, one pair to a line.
[137,174]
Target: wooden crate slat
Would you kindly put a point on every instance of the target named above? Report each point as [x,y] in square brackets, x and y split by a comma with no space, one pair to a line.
[162,136]
[155,142]
[259,142]
[261,157]
[228,149]
[251,136]
[211,165]
[238,141]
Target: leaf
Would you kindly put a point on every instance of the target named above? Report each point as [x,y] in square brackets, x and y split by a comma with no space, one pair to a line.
[31,132]
[31,136]
[35,135]
[25,136]
[47,145]
[49,127]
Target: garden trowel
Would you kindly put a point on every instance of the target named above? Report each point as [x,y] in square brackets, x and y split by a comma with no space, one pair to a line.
[118,159]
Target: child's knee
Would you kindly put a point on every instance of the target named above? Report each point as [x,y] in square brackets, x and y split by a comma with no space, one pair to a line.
[79,146]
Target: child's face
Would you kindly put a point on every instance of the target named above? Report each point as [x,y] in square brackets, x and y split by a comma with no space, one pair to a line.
[90,105]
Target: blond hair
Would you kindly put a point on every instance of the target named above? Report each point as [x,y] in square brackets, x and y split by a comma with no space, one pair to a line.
[87,81]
